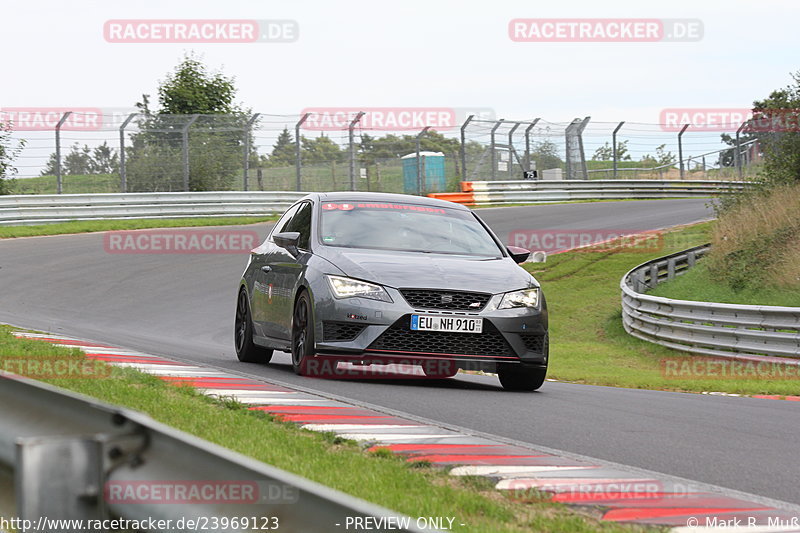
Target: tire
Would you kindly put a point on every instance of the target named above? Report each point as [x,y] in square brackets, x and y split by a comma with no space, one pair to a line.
[246,350]
[302,334]
[522,377]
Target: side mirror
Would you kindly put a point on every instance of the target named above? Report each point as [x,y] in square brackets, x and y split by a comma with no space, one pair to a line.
[288,240]
[519,255]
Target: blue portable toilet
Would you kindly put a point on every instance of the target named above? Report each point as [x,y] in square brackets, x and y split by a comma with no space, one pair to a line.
[431,169]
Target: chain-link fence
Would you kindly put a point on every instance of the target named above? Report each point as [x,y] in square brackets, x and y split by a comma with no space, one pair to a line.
[81,152]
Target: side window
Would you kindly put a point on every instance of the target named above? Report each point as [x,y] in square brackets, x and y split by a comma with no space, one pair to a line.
[284,221]
[301,223]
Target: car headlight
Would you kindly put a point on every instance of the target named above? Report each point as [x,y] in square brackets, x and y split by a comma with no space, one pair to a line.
[523,298]
[350,288]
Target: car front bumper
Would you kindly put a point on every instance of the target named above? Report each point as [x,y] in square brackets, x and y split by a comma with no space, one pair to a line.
[371,331]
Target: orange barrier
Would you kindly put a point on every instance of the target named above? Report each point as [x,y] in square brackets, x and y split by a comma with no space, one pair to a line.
[466,186]
[457,197]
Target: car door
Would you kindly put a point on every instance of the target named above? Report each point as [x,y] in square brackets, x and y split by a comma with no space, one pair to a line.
[287,270]
[263,300]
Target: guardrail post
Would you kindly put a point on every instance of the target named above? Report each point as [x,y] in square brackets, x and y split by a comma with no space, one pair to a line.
[463,148]
[670,268]
[298,164]
[492,145]
[123,176]
[528,143]
[58,150]
[185,151]
[680,147]
[352,148]
[614,146]
[420,179]
[247,143]
[59,477]
[737,156]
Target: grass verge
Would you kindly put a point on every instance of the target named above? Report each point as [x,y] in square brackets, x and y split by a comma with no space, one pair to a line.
[698,284]
[588,343]
[385,479]
[87,226]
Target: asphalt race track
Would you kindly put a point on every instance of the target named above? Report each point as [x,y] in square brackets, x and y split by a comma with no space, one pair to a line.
[182,306]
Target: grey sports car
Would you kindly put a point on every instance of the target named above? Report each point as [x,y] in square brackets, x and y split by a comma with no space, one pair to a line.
[369,278]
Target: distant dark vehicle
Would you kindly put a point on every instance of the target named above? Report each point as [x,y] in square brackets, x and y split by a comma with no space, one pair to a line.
[384,278]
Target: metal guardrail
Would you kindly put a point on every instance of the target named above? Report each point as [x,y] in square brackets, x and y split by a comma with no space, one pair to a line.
[66,450]
[521,191]
[44,209]
[704,328]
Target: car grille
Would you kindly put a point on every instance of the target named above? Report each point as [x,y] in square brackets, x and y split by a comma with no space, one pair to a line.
[450,300]
[341,331]
[533,342]
[400,338]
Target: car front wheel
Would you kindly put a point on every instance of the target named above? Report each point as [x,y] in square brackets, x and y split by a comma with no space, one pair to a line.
[302,335]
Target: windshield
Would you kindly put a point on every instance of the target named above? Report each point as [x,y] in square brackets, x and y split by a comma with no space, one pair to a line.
[404,227]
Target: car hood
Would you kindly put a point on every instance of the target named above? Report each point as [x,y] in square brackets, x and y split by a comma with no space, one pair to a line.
[409,270]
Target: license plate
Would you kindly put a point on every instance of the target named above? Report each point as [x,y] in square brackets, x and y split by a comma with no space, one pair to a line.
[449,324]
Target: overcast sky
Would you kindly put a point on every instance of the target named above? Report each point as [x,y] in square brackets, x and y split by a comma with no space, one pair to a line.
[414,53]
[410,53]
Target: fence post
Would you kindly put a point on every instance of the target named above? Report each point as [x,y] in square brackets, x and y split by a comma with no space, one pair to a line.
[58,150]
[494,155]
[298,165]
[511,148]
[584,170]
[123,176]
[247,143]
[185,151]
[420,180]
[528,143]
[614,143]
[574,147]
[680,147]
[737,156]
[464,147]
[352,150]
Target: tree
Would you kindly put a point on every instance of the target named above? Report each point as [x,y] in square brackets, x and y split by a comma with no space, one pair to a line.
[84,161]
[661,159]
[606,152]
[192,89]
[9,150]
[283,151]
[104,160]
[215,135]
[780,144]
[320,150]
[78,161]
[545,155]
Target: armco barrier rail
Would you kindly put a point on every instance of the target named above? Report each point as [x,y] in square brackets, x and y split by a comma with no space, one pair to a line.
[45,209]
[524,191]
[704,328]
[68,453]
